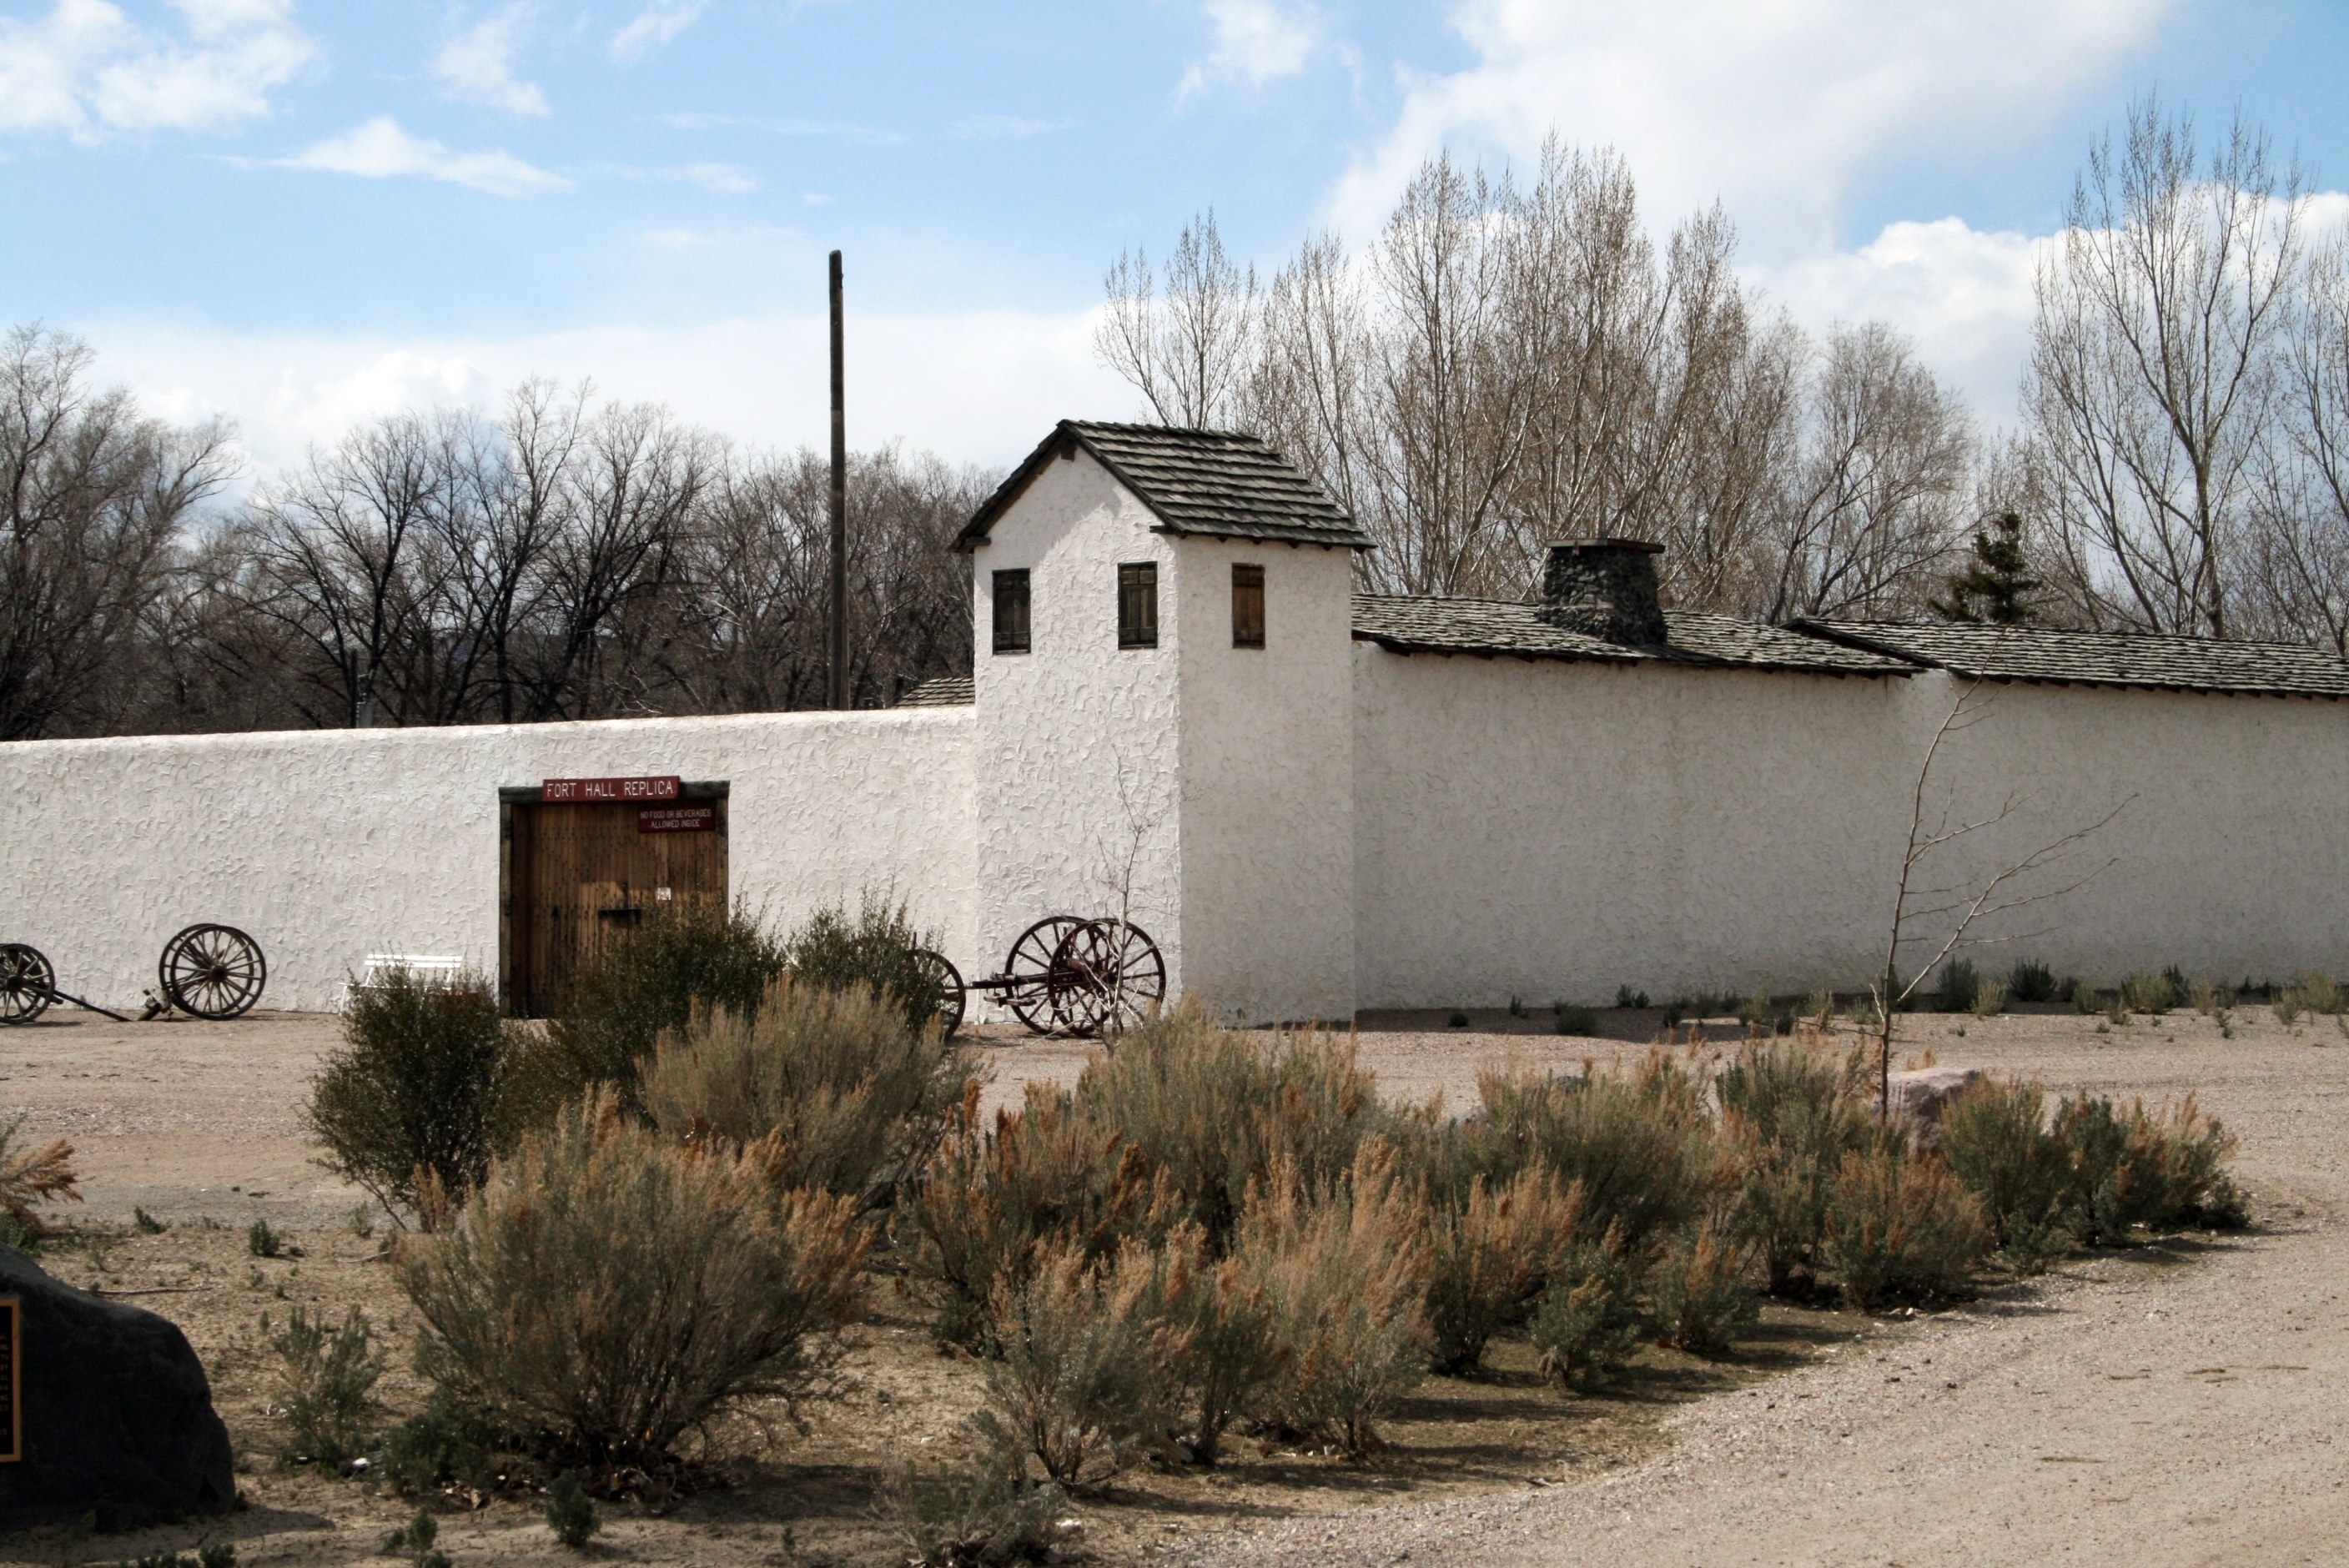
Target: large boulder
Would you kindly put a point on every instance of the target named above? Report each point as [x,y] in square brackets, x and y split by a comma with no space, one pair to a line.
[118,1416]
[1921,1099]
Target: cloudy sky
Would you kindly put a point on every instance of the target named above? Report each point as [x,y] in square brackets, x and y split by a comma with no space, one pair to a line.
[299,214]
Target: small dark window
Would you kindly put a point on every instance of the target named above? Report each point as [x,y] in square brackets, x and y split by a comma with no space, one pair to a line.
[1248,606]
[1137,604]
[1011,612]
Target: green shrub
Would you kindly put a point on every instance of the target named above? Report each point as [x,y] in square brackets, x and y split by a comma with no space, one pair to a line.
[1699,1296]
[2154,994]
[1575,1020]
[1589,1321]
[414,1542]
[2314,994]
[852,1094]
[1214,1109]
[145,1223]
[1995,1138]
[1990,1000]
[570,1513]
[1345,1272]
[1228,1349]
[981,1514]
[326,1387]
[2287,1006]
[607,1291]
[997,1193]
[1899,1227]
[2129,1169]
[875,950]
[2030,981]
[2087,998]
[1082,1373]
[443,1443]
[1790,1114]
[263,1242]
[1959,983]
[611,1016]
[1493,1257]
[410,1093]
[1627,998]
[1641,1147]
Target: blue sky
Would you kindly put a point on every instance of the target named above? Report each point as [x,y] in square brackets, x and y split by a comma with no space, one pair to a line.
[299,214]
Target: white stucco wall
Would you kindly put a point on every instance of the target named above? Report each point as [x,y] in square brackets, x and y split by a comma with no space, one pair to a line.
[1077,755]
[1553,831]
[1268,763]
[327,845]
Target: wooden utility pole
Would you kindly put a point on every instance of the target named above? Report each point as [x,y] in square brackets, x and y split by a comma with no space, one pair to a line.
[836,630]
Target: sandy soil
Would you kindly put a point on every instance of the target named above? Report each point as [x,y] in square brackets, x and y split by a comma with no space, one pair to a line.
[2173,1405]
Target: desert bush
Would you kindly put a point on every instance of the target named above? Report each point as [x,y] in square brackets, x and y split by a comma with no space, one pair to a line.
[1959,985]
[2314,993]
[326,1387]
[410,1091]
[1573,1020]
[875,950]
[1900,1226]
[2287,1006]
[607,1291]
[1995,1138]
[570,1513]
[1345,1271]
[1214,1109]
[2085,998]
[995,1193]
[2129,1168]
[2154,994]
[1641,1147]
[612,1015]
[851,1092]
[1082,1374]
[33,1175]
[1493,1257]
[2030,981]
[1228,1349]
[1790,1114]
[1697,1294]
[262,1239]
[1588,1320]
[981,1514]
[1990,1000]
[443,1443]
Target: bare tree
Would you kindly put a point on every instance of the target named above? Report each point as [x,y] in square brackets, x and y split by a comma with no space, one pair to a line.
[1951,910]
[2300,544]
[92,495]
[1189,351]
[2153,364]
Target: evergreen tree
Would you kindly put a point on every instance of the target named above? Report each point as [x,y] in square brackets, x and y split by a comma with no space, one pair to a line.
[1996,586]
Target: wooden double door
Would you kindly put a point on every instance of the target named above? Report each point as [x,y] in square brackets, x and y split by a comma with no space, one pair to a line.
[575,876]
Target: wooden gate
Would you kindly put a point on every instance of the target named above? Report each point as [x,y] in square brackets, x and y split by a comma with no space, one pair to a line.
[572,875]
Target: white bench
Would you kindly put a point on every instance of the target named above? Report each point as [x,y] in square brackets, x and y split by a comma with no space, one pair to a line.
[423,965]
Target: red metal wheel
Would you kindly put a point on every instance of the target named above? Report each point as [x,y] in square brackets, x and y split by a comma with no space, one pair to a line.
[1030,972]
[1108,976]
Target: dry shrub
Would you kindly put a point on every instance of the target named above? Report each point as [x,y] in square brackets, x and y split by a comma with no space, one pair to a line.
[2130,1168]
[1995,1138]
[996,1194]
[851,1093]
[1588,1320]
[607,1291]
[1699,1296]
[874,950]
[979,1513]
[1345,1270]
[1082,1376]
[410,1097]
[1900,1226]
[612,1015]
[326,1387]
[30,1176]
[1493,1257]
[1790,1114]
[1641,1147]
[1230,1349]
[1215,1109]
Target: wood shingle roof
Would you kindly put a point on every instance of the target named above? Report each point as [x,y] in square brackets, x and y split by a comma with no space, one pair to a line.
[2054,655]
[1499,628]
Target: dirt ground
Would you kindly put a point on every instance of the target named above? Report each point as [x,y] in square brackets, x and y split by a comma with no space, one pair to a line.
[2176,1404]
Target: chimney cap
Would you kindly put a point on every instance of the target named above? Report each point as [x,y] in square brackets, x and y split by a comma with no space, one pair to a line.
[1604,541]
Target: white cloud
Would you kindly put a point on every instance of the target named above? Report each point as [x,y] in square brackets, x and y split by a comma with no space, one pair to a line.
[477,63]
[1257,41]
[718,178]
[1772,108]
[381,150]
[982,387]
[86,68]
[1005,127]
[655,26]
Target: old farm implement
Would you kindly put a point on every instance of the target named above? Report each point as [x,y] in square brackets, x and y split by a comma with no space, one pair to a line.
[1065,975]
[206,972]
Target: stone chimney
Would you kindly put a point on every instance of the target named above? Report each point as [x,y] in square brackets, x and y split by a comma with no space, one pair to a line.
[1604,588]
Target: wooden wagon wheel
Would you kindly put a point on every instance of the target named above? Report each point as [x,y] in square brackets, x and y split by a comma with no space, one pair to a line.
[935,969]
[27,983]
[212,971]
[1110,978]
[1031,969]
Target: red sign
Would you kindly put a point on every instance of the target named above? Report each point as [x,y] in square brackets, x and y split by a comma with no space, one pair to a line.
[661,787]
[678,819]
